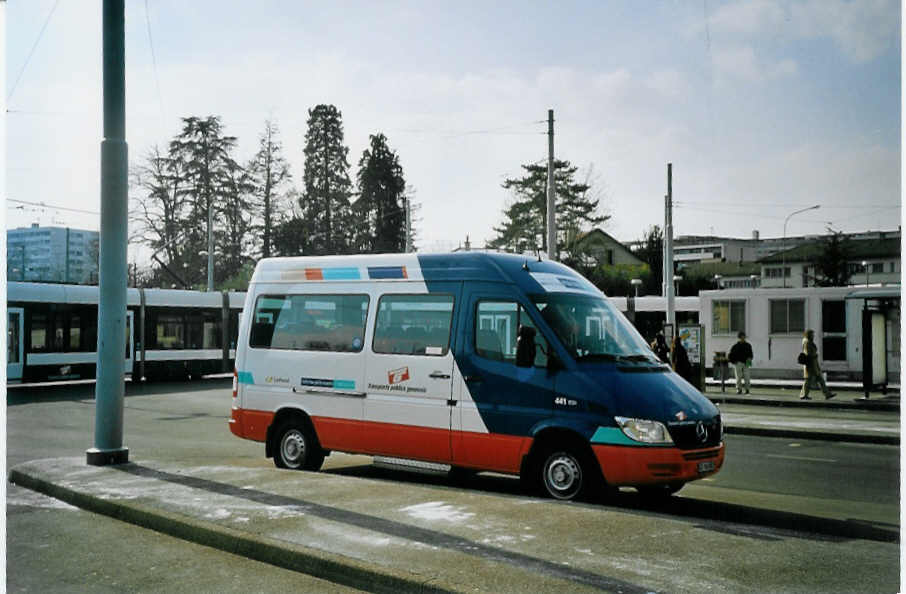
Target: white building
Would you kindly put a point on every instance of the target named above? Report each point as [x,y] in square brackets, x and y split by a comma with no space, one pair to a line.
[52,254]
[774,321]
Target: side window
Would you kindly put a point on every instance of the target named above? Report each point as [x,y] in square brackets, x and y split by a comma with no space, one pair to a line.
[413,325]
[170,331]
[39,327]
[496,330]
[310,322]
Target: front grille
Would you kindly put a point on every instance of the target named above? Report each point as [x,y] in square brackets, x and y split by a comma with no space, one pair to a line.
[687,435]
[703,455]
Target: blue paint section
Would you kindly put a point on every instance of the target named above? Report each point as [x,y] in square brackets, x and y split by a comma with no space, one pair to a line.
[613,436]
[245,377]
[516,401]
[341,274]
[386,272]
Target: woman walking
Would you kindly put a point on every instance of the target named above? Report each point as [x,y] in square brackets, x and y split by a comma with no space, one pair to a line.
[811,368]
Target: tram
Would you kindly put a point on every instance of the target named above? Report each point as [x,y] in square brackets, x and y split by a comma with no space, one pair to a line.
[170,334]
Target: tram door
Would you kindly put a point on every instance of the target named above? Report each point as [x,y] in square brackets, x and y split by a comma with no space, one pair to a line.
[15,346]
[130,342]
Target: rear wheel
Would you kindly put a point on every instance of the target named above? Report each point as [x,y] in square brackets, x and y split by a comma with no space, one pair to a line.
[296,447]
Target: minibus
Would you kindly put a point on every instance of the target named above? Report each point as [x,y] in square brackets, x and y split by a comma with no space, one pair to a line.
[476,361]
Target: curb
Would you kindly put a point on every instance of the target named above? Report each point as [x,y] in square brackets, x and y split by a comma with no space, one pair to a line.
[321,564]
[754,400]
[818,435]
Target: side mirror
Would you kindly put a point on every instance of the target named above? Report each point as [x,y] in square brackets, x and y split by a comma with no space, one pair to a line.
[525,346]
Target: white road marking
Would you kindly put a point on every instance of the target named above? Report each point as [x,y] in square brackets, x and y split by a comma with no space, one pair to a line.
[804,458]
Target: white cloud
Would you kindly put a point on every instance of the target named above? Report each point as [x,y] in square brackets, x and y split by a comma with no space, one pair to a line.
[862,30]
[742,64]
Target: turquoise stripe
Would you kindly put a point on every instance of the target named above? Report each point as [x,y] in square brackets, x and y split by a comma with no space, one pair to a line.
[340,273]
[344,384]
[245,377]
[613,436]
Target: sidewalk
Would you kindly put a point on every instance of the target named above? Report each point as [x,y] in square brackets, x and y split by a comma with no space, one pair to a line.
[400,536]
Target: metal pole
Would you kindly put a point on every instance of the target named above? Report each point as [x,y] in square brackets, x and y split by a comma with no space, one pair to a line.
[783,250]
[210,244]
[551,200]
[668,249]
[108,428]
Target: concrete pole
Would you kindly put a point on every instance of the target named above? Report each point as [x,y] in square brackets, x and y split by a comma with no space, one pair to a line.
[108,427]
[668,251]
[551,198]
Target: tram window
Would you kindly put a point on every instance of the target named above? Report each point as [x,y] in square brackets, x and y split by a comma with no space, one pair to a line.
[170,332]
[75,333]
[38,332]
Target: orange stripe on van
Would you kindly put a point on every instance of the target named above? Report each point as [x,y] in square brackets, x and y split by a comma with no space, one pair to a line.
[626,465]
[314,274]
[250,424]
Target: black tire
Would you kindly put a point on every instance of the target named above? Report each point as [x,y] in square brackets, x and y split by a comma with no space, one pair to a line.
[565,474]
[659,492]
[295,447]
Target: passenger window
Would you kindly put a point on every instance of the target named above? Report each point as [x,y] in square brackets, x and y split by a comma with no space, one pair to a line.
[496,330]
[334,323]
[38,332]
[169,332]
[413,325]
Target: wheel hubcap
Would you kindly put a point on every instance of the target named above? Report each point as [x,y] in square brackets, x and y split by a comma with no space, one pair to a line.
[563,476]
[292,447]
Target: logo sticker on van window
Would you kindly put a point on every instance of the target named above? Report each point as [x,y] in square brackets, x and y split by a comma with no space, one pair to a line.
[396,376]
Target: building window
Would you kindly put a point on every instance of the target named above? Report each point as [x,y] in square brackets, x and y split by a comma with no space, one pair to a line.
[413,325]
[877,267]
[787,316]
[728,317]
[309,322]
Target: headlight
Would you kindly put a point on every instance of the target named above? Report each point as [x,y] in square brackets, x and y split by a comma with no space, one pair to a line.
[644,430]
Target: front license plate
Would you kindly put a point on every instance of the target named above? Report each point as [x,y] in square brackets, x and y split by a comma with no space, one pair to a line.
[704,467]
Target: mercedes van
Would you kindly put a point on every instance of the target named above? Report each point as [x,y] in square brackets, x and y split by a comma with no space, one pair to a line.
[476,361]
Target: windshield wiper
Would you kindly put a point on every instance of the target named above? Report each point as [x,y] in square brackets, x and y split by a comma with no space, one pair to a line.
[637,358]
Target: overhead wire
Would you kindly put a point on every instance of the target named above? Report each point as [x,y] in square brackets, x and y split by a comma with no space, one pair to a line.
[31,53]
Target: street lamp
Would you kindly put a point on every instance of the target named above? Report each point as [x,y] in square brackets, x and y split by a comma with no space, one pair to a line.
[717,278]
[867,273]
[636,282]
[754,279]
[783,264]
[676,280]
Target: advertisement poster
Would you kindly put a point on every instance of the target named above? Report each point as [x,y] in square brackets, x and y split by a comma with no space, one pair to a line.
[691,337]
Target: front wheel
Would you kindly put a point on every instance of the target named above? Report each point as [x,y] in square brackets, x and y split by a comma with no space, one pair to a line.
[297,448]
[564,475]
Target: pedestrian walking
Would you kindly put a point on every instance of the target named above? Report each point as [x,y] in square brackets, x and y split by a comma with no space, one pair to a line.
[680,360]
[811,369]
[741,358]
[660,348]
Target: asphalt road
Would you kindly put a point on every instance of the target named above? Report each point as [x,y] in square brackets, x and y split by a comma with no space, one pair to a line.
[816,486]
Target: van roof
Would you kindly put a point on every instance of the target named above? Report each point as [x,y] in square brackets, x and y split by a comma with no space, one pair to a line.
[530,274]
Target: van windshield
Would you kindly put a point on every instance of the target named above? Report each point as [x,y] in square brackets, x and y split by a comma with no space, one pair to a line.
[592,328]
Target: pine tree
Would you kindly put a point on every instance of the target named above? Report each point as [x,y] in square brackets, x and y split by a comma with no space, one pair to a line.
[651,251]
[525,221]
[380,208]
[204,154]
[327,188]
[269,174]
[832,262]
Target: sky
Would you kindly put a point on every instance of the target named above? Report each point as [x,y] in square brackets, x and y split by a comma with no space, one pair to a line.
[763,107]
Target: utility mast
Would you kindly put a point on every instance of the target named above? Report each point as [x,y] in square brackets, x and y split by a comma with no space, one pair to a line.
[551,212]
[668,249]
